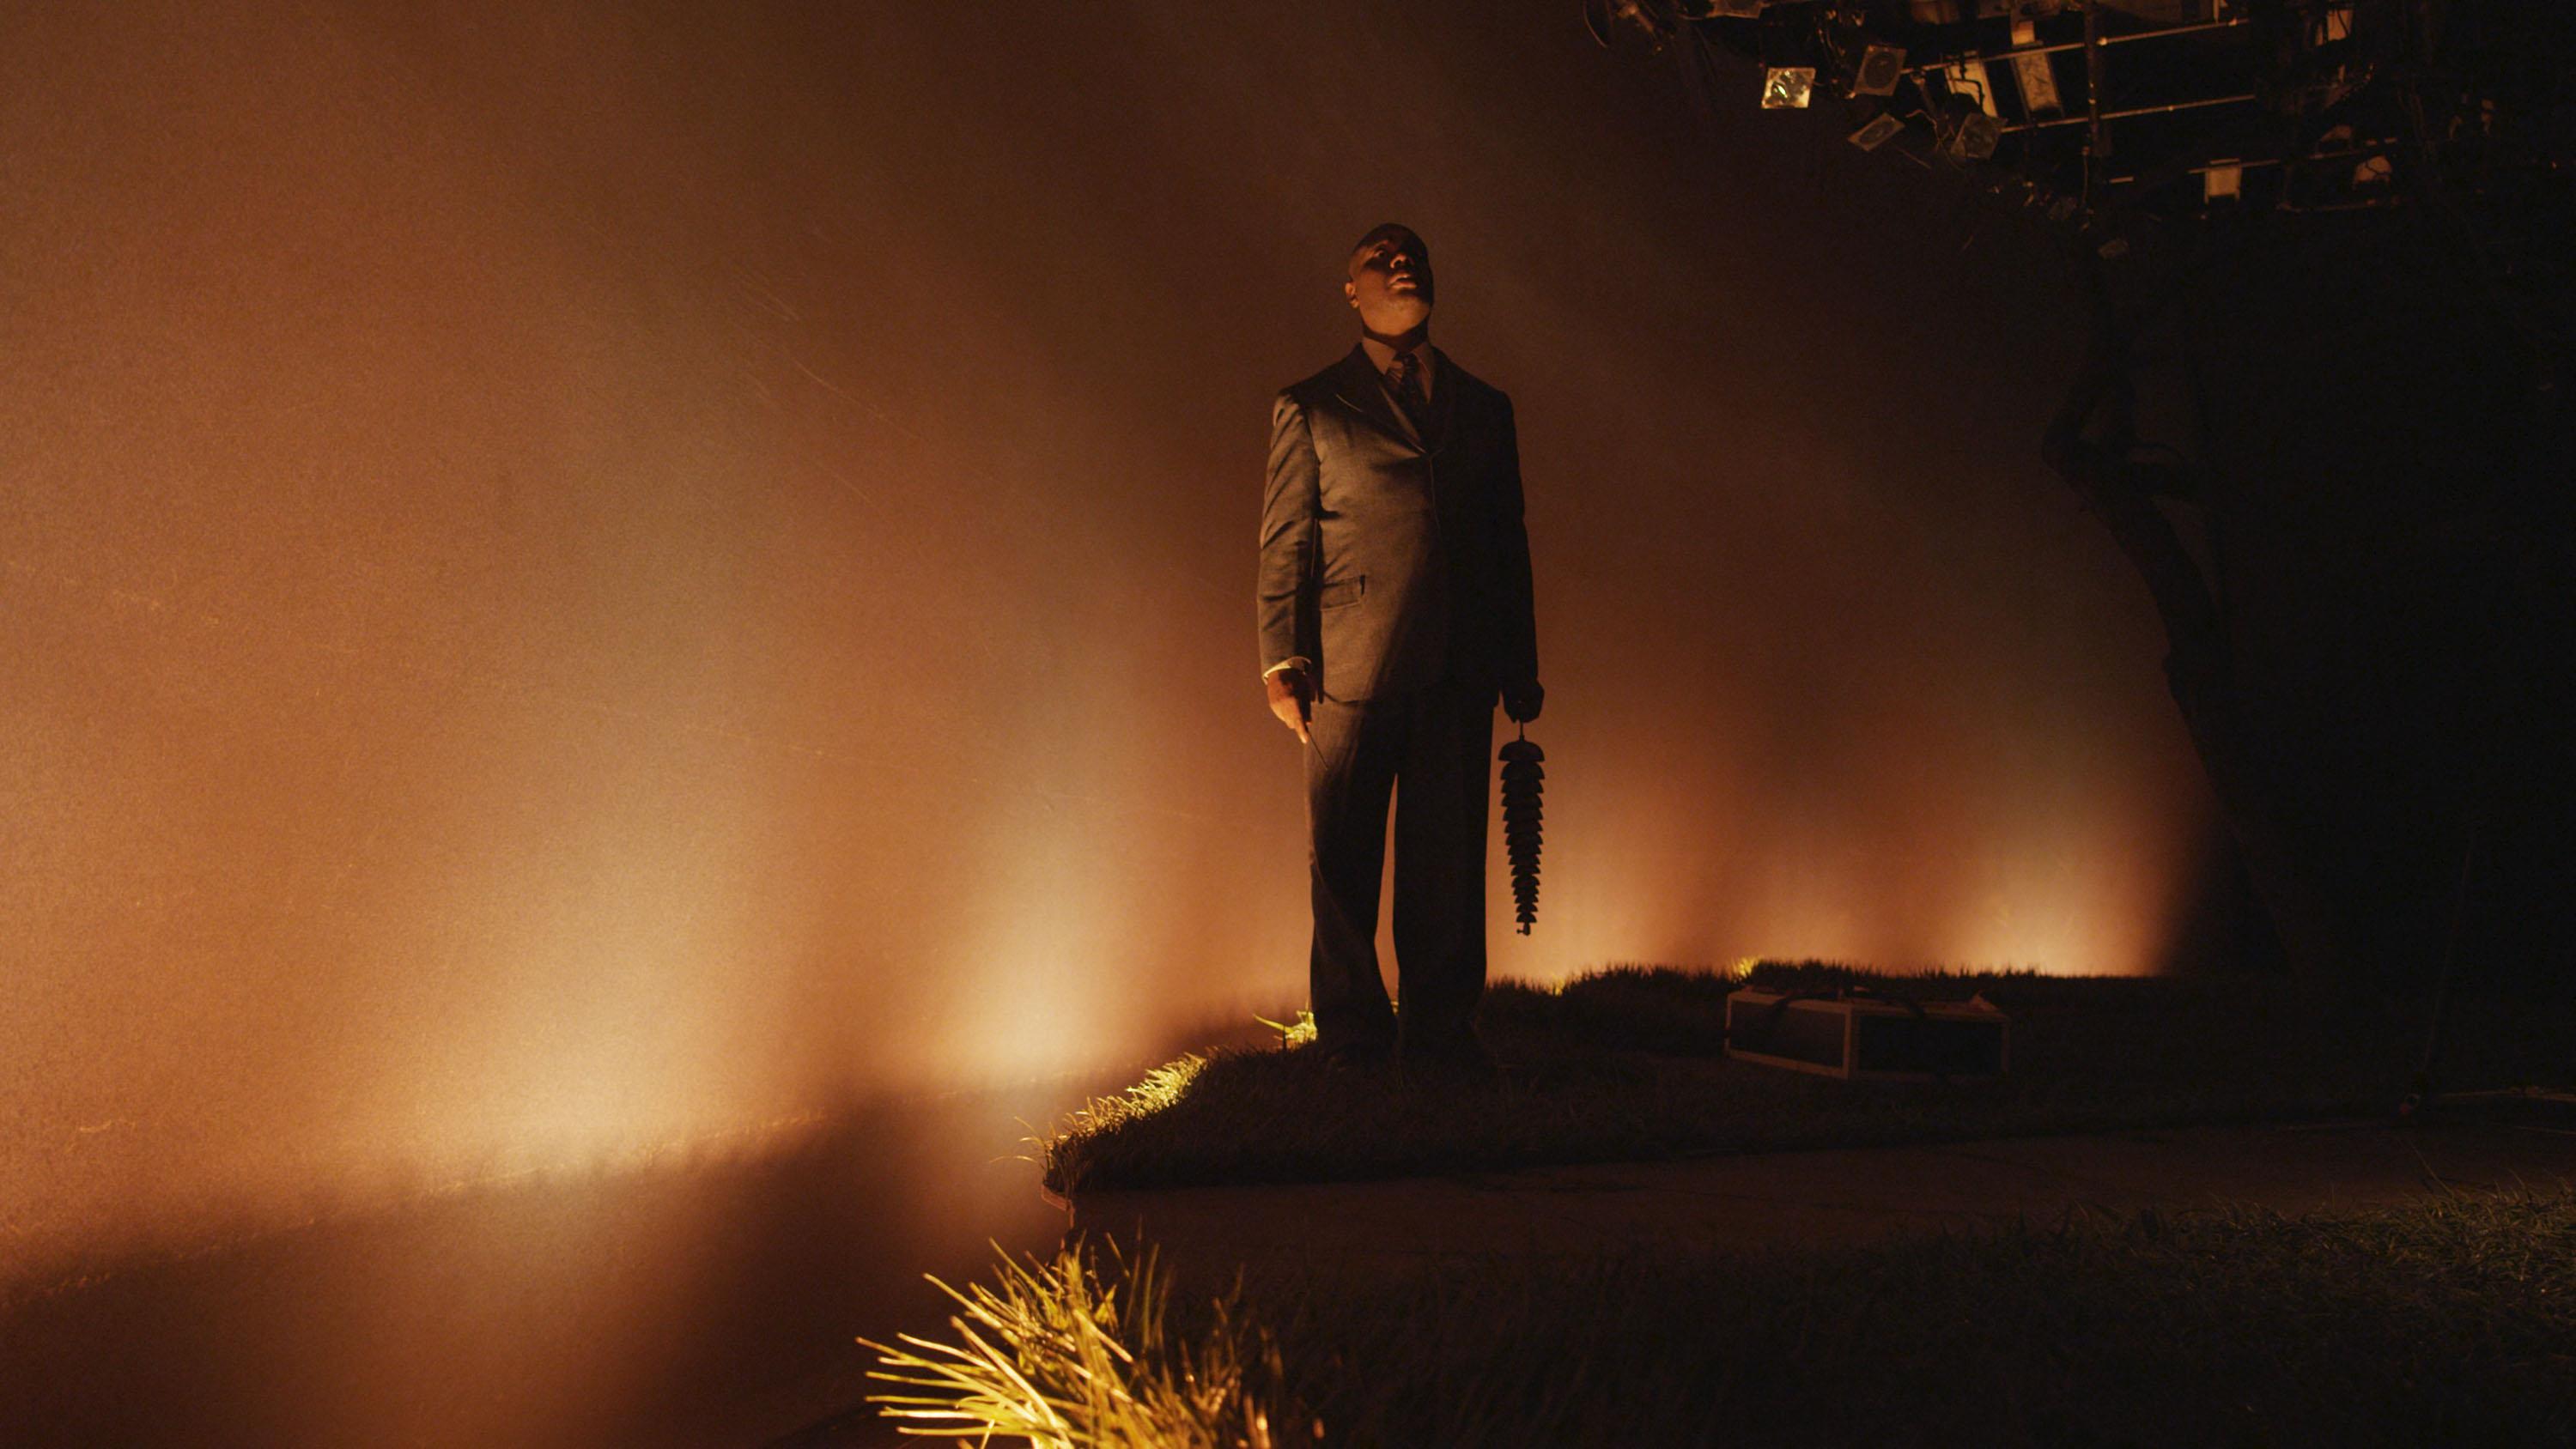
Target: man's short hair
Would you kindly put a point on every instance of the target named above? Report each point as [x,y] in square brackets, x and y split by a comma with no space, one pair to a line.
[1378,233]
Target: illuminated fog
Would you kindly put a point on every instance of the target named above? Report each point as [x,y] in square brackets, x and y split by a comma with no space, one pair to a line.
[575,580]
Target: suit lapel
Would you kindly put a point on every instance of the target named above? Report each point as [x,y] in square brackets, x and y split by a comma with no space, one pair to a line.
[1444,400]
[1359,389]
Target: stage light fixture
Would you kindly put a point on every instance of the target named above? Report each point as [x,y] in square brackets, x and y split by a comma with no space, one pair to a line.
[1880,68]
[1605,18]
[1976,138]
[1788,87]
[1968,78]
[2038,84]
[1876,133]
[1966,133]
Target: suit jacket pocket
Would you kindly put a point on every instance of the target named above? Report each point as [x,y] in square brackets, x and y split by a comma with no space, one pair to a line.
[1342,593]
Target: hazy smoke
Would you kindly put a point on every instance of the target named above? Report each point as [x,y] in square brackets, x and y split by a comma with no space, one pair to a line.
[570,579]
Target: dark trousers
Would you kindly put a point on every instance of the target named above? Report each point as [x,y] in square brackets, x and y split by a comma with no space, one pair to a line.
[1433,750]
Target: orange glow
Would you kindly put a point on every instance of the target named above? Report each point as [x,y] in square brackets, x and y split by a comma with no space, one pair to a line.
[574,581]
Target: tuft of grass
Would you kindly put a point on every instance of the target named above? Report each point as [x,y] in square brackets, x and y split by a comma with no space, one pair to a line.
[1075,1353]
[1629,1064]
[2452,1321]
[1105,1117]
[1296,1032]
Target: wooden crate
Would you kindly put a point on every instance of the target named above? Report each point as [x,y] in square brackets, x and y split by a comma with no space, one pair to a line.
[1869,1038]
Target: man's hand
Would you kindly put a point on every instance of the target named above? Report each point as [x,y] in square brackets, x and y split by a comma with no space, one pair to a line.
[1521,701]
[1292,698]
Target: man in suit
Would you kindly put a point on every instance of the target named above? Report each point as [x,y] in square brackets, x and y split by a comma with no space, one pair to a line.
[1394,607]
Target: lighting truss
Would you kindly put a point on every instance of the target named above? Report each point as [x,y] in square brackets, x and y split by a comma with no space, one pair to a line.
[2097,114]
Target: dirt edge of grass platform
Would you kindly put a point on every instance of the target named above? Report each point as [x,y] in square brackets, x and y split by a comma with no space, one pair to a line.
[2449,1321]
[1628,1064]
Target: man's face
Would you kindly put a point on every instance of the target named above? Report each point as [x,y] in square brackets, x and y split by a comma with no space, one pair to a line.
[1391,281]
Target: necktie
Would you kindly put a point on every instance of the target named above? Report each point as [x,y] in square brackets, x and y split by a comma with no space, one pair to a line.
[1404,379]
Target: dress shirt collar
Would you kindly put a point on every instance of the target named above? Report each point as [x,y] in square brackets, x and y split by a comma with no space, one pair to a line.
[1382,357]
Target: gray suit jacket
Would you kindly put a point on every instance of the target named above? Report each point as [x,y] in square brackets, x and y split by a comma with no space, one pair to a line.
[1386,564]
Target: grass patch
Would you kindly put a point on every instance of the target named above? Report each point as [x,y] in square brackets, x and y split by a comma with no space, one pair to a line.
[2450,1322]
[1063,1353]
[1628,1065]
